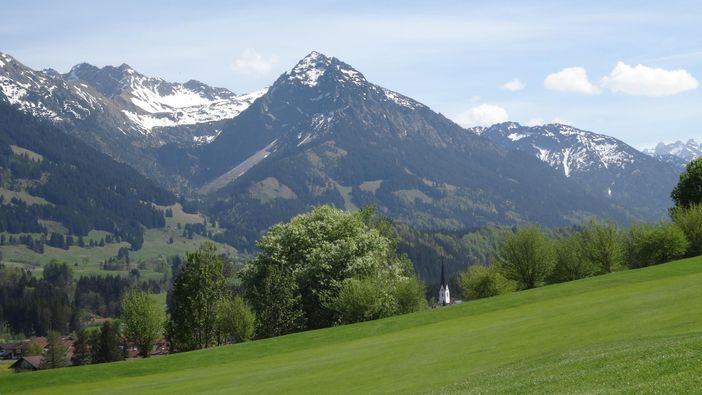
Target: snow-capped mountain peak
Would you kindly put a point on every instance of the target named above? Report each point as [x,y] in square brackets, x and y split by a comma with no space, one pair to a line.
[312,67]
[155,103]
[119,100]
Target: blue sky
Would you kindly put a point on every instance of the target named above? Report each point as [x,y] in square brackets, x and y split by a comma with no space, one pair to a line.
[576,62]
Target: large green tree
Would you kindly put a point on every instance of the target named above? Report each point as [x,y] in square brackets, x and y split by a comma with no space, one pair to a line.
[294,281]
[143,319]
[689,188]
[197,291]
[527,257]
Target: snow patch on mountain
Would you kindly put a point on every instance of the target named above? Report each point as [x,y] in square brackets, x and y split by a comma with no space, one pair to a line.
[16,93]
[186,109]
[401,100]
[151,103]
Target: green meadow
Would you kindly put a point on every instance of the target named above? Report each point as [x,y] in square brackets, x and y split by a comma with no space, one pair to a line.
[635,331]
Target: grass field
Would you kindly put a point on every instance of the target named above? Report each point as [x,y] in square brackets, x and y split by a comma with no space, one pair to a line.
[637,331]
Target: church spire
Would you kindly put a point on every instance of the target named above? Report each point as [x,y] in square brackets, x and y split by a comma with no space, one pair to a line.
[444,295]
[443,276]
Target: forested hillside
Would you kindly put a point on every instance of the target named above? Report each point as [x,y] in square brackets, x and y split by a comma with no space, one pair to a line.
[46,174]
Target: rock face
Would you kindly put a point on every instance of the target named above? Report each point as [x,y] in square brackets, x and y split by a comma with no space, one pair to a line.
[603,165]
[324,134]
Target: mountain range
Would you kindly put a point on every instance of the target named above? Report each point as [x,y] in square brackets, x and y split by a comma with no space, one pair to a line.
[678,153]
[322,133]
[122,112]
[604,166]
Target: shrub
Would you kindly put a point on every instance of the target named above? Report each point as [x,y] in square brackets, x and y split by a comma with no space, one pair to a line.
[649,244]
[484,281]
[235,320]
[409,296]
[361,300]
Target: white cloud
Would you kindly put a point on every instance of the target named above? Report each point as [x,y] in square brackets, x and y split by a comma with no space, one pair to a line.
[252,62]
[482,115]
[513,85]
[648,81]
[571,79]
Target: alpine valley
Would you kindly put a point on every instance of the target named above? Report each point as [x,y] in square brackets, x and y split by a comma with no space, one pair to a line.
[320,134]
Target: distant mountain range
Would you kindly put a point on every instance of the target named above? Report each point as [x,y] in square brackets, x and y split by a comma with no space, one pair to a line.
[322,133]
[603,165]
[678,153]
[122,112]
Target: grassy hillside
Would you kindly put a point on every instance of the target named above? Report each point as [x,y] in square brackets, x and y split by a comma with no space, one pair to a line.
[633,331]
[86,261]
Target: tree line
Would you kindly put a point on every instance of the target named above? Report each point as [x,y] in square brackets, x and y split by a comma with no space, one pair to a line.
[32,305]
[529,258]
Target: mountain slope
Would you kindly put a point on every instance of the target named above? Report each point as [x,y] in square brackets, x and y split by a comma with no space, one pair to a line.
[603,165]
[324,134]
[48,175]
[635,331]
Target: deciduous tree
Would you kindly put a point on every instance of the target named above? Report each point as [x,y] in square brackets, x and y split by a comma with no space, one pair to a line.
[527,257]
[235,320]
[689,219]
[689,188]
[602,245]
[197,290]
[143,320]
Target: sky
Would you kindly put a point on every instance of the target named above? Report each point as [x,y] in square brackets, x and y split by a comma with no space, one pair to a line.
[630,70]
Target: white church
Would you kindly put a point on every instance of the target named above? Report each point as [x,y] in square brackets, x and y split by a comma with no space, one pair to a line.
[444,294]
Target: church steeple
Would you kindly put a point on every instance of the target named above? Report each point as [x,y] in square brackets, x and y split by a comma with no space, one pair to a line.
[444,294]
[443,275]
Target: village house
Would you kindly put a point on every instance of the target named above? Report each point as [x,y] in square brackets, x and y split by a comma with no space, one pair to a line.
[28,364]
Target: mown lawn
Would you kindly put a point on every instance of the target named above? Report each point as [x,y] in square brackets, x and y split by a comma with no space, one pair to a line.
[637,331]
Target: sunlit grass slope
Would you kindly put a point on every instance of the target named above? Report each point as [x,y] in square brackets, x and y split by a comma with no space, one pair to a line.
[633,331]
